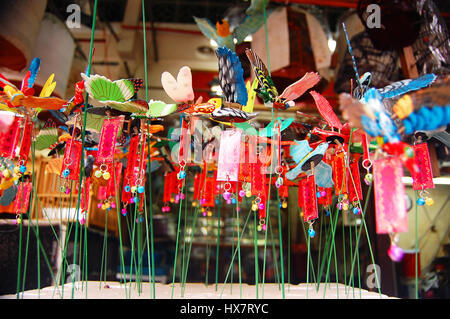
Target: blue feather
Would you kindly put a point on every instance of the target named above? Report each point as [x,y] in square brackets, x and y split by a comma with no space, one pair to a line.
[234,75]
[34,69]
[405,86]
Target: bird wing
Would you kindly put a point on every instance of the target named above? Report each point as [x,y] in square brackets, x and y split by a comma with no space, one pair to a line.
[207,28]
[261,73]
[231,76]
[326,110]
[180,89]
[404,86]
[298,88]
[101,89]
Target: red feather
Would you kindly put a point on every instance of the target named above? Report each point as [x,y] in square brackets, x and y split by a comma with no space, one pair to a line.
[326,110]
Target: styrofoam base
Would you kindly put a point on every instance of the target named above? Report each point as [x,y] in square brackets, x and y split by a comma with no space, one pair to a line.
[116,290]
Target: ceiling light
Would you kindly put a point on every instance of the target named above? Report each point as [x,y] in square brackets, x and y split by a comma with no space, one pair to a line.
[331,44]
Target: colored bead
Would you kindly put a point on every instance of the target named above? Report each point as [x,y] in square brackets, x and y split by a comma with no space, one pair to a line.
[204,214]
[277,185]
[82,221]
[107,205]
[18,221]
[17,170]
[106,175]
[209,213]
[284,205]
[103,206]
[131,200]
[233,201]
[345,206]
[22,169]
[261,206]
[140,189]
[215,201]
[136,199]
[182,196]
[98,174]
[254,207]
[311,233]
[264,227]
[241,193]
[368,178]
[113,205]
[259,227]
[62,189]
[181,175]
[355,210]
[395,253]
[323,193]
[66,173]
[99,205]
[429,201]
[127,188]
[248,193]
[421,201]
[194,204]
[67,191]
[133,189]
[229,201]
[177,197]
[318,195]
[226,195]
[280,181]
[409,152]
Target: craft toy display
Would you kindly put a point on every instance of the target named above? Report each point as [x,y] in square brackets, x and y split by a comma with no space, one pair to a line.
[104,137]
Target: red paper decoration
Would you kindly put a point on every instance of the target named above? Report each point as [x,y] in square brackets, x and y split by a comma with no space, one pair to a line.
[22,200]
[9,134]
[25,145]
[423,174]
[309,198]
[354,183]
[72,160]
[390,203]
[107,145]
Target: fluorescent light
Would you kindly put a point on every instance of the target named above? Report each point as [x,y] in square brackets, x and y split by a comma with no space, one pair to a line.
[248,38]
[213,43]
[331,44]
[437,180]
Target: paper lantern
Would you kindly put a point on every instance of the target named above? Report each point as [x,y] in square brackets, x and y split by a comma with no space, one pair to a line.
[20,25]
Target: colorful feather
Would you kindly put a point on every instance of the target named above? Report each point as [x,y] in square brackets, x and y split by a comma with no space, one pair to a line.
[48,87]
[350,50]
[405,86]
[34,69]
[227,114]
[102,89]
[326,110]
[47,136]
[231,76]
[160,109]
[297,89]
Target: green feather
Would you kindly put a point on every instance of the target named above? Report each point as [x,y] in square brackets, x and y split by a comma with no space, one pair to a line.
[159,108]
[46,138]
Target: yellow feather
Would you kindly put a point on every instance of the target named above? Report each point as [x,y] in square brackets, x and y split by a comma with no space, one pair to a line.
[251,96]
[49,86]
